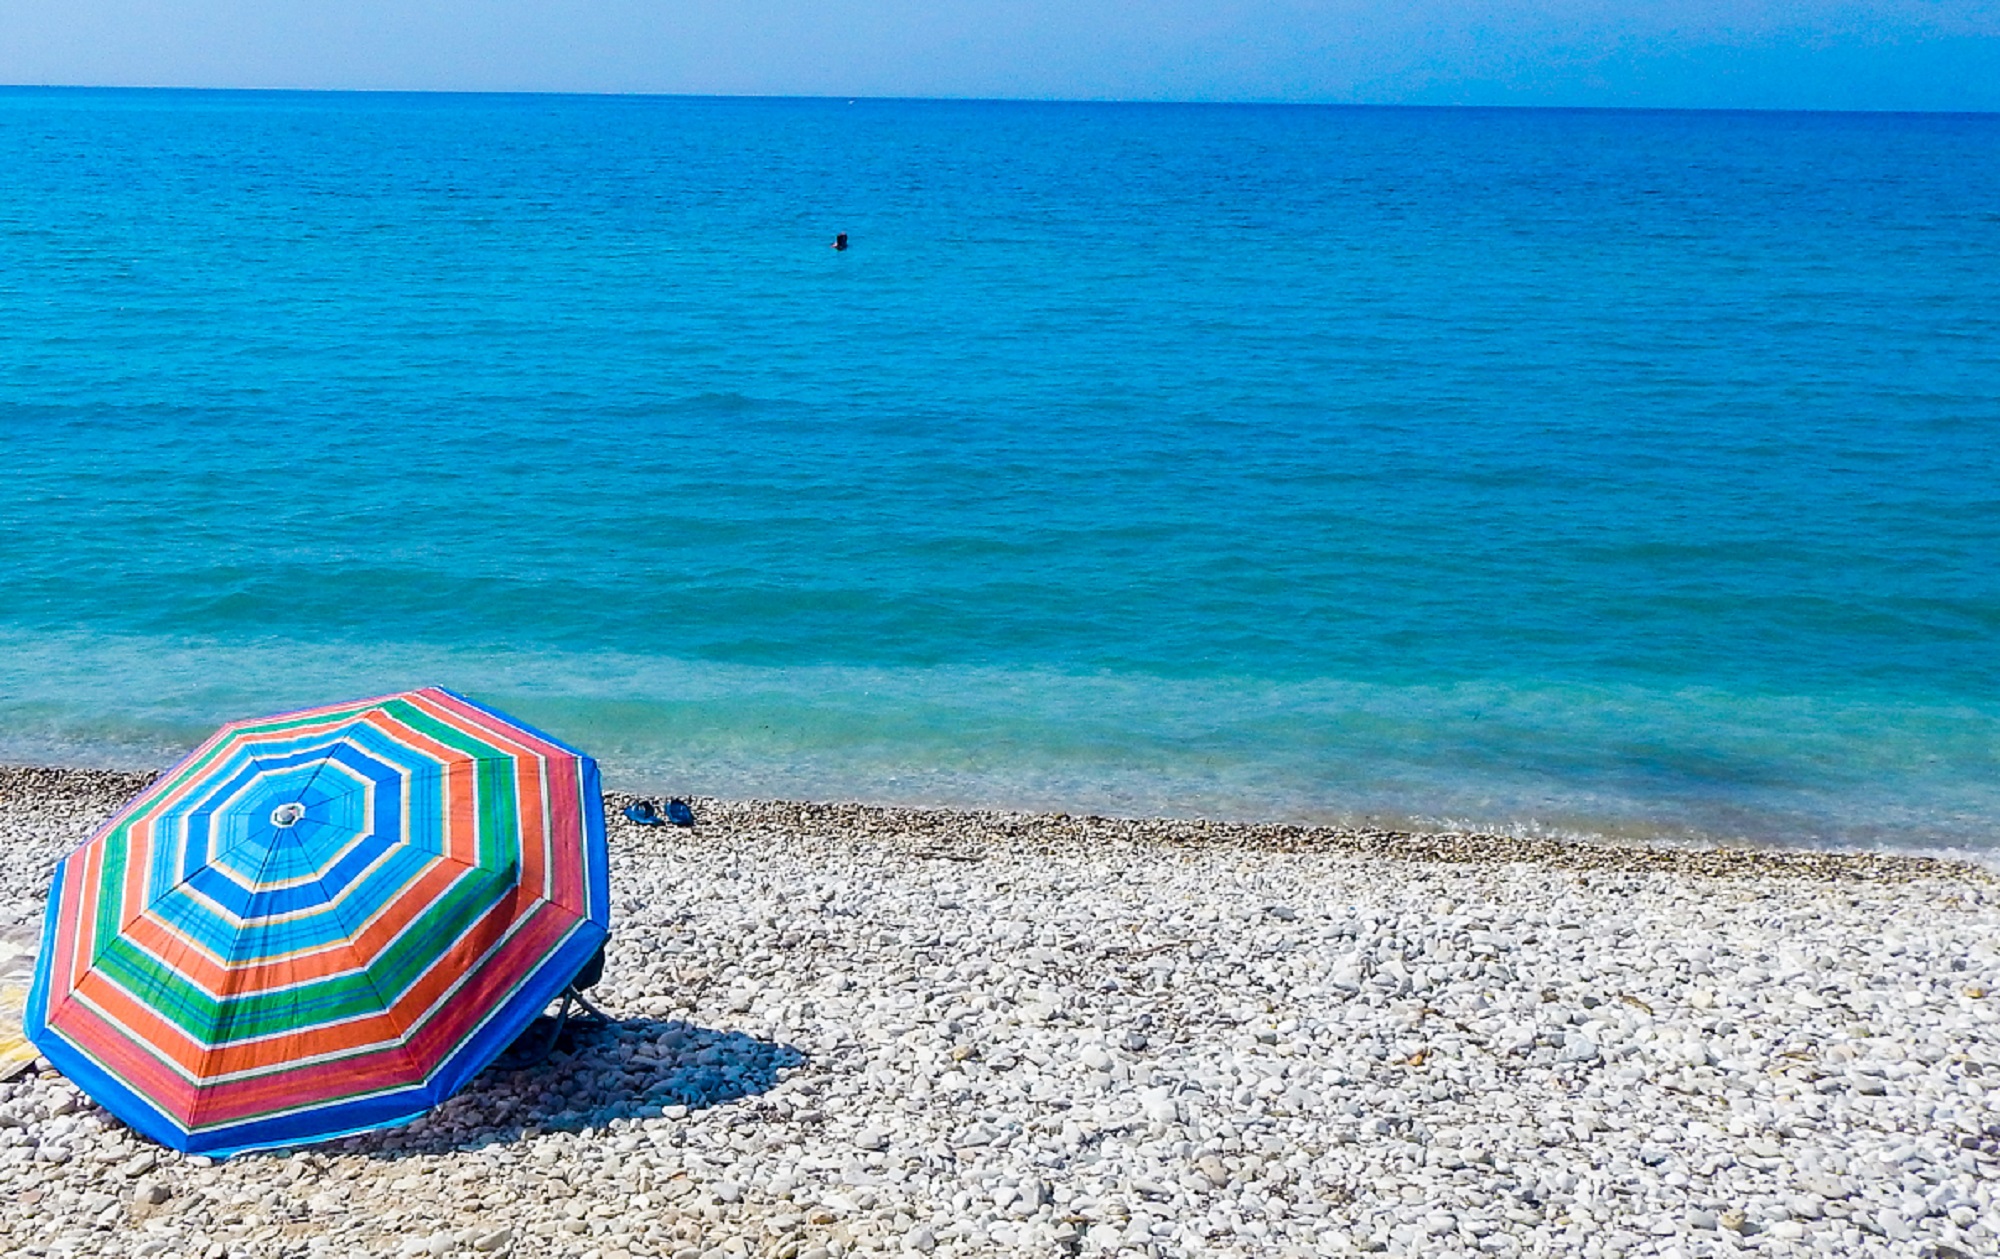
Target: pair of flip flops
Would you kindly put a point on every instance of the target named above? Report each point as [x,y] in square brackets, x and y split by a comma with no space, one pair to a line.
[672,813]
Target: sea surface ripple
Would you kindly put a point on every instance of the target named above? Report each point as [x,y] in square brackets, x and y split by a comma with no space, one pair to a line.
[1627,472]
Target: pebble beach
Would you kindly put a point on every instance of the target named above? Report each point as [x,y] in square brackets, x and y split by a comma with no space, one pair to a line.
[839,1029]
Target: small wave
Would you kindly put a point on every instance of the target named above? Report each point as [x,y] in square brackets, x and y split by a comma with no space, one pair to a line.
[1526,759]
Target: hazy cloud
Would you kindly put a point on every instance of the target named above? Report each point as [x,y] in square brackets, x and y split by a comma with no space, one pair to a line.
[1896,54]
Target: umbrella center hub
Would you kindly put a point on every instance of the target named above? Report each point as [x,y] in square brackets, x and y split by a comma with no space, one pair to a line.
[287,814]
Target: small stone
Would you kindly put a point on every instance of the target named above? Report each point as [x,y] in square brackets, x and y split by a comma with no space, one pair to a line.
[1103,1025]
[492,1240]
[1892,1225]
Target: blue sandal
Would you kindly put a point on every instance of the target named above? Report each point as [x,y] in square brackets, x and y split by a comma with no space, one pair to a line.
[642,812]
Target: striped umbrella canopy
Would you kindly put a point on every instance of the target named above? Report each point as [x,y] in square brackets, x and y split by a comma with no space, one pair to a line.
[322,922]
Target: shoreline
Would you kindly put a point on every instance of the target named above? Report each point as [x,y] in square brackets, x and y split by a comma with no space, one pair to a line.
[893,822]
[843,1029]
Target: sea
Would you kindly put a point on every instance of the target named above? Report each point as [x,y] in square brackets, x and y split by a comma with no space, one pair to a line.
[1551,472]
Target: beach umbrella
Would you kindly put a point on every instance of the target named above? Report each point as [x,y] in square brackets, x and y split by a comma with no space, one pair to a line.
[321,922]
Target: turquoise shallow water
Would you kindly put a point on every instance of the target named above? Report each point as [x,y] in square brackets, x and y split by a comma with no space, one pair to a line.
[1628,472]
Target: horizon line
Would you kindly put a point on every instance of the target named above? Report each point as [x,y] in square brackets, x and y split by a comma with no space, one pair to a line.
[1261,103]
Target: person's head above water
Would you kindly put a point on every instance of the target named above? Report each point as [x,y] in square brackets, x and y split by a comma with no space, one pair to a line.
[840,241]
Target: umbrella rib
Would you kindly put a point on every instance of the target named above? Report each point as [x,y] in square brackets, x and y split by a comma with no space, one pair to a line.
[334,738]
[338,909]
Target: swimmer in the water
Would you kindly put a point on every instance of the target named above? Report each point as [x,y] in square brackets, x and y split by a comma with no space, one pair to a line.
[840,241]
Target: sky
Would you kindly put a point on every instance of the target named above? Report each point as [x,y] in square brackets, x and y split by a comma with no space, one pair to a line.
[1781,54]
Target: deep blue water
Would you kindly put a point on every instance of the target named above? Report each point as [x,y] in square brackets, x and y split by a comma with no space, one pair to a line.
[1611,471]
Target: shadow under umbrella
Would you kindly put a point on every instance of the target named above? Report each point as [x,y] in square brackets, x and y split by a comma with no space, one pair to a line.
[586,1073]
[670,1063]
[602,1069]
